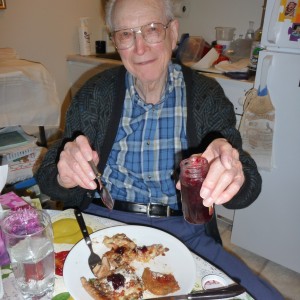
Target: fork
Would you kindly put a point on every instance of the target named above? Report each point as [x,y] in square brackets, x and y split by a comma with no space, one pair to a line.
[93,259]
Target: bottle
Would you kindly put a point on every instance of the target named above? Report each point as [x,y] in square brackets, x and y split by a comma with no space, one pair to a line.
[256,44]
[84,37]
[250,31]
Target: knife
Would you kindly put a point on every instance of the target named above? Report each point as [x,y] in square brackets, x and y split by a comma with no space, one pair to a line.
[218,293]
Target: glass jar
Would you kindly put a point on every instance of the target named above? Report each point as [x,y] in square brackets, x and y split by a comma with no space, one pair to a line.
[193,171]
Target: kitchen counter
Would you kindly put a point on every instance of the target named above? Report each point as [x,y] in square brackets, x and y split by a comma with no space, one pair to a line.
[111,58]
[114,58]
[221,76]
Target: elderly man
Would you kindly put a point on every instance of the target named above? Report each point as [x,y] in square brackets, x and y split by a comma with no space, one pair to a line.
[137,122]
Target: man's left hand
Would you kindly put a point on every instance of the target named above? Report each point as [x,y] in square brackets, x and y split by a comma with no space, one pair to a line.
[225,176]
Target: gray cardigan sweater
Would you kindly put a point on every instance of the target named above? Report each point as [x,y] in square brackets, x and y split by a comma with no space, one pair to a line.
[96,111]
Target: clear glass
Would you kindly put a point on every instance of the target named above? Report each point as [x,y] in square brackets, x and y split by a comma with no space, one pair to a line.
[152,33]
[224,33]
[250,31]
[193,171]
[28,237]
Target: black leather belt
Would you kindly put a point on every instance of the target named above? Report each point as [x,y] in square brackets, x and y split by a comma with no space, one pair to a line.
[150,209]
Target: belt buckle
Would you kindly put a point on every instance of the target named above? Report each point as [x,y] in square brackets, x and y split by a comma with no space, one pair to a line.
[149,210]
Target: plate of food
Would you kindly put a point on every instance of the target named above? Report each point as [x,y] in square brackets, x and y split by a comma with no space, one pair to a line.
[139,262]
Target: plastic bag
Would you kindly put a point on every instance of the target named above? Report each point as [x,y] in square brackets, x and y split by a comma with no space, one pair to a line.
[257,127]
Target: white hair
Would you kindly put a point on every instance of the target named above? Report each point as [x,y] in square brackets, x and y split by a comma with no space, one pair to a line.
[168,5]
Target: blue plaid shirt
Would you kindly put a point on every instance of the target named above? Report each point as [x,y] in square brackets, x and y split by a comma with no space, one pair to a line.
[141,164]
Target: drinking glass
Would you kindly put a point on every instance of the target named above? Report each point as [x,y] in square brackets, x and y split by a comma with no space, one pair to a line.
[28,237]
[4,258]
[193,171]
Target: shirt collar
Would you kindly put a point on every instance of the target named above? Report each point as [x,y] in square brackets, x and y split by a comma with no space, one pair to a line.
[174,72]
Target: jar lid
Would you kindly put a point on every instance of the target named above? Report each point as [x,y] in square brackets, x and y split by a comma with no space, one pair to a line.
[213,281]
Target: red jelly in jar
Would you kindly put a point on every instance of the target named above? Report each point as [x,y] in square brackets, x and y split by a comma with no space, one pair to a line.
[193,171]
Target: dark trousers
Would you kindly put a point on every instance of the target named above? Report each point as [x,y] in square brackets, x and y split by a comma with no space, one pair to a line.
[195,238]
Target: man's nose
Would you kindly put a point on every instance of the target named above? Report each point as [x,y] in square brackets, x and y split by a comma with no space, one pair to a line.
[139,43]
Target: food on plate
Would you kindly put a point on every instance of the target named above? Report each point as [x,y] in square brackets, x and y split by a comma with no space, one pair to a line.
[158,283]
[67,231]
[116,278]
[118,240]
[124,251]
[146,253]
[121,284]
[103,269]
[125,255]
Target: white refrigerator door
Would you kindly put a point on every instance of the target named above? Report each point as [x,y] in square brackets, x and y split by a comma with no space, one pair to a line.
[270,227]
[280,30]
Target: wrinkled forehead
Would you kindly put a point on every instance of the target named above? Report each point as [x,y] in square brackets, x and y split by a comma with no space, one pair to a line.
[135,13]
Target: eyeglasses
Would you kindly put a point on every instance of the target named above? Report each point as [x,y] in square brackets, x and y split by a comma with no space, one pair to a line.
[152,33]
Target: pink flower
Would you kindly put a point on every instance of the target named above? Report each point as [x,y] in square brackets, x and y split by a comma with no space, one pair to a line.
[23,221]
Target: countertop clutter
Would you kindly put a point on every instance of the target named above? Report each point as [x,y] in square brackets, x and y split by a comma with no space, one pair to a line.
[224,56]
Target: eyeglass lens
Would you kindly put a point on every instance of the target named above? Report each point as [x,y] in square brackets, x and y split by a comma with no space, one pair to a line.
[151,33]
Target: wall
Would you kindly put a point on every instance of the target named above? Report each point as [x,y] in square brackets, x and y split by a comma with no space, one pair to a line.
[47,31]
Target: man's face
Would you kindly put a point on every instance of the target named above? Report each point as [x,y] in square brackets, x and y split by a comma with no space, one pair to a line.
[147,62]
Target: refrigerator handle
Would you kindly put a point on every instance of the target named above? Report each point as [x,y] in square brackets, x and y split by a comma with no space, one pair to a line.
[265,67]
[273,31]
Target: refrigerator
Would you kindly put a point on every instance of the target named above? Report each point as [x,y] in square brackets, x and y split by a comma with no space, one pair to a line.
[270,227]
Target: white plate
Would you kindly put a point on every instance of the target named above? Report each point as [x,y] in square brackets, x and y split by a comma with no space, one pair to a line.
[178,260]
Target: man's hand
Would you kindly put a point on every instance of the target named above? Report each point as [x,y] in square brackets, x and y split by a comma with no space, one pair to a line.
[225,176]
[73,166]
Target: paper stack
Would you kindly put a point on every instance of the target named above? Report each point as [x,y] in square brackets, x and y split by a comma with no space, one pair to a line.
[20,152]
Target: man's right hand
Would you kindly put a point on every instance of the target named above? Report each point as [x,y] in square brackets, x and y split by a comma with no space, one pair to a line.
[73,167]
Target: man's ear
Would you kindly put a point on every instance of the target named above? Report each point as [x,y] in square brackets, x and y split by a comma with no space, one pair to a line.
[174,28]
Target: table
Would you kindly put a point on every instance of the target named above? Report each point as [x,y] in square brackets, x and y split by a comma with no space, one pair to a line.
[10,290]
[28,95]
